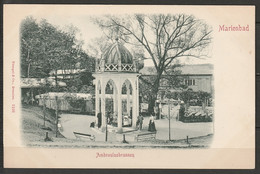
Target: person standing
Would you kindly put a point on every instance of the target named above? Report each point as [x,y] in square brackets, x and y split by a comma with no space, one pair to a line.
[156,112]
[140,121]
[181,111]
[151,126]
[175,111]
[108,118]
[111,117]
[137,123]
[99,120]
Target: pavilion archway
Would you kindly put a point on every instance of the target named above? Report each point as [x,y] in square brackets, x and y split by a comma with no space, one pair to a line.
[127,103]
[116,81]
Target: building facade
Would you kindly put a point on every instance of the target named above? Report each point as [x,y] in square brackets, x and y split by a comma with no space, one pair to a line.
[198,77]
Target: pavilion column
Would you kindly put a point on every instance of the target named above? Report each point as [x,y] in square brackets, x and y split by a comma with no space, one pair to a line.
[128,99]
[134,93]
[119,108]
[137,96]
[97,102]
[103,107]
[114,100]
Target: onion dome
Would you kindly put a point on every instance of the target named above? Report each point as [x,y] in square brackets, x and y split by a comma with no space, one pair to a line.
[116,58]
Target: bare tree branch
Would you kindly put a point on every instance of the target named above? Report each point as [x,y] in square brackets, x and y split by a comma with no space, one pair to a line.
[164,37]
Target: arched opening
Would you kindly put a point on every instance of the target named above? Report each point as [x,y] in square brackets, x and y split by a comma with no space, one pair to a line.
[98,95]
[127,104]
[98,104]
[110,103]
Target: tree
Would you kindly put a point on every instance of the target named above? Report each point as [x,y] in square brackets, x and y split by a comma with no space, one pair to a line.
[190,97]
[81,82]
[203,98]
[52,47]
[30,47]
[97,45]
[165,38]
[173,77]
[46,48]
[41,46]
[146,89]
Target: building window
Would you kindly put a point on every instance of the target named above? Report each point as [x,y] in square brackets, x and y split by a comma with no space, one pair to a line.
[190,82]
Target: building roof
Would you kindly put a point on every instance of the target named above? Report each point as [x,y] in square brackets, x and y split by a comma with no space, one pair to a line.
[196,69]
[63,95]
[67,71]
[52,95]
[38,82]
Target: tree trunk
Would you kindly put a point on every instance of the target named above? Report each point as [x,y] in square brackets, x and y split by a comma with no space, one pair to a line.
[155,93]
[57,110]
[29,64]
[44,110]
[28,70]
[151,105]
[56,80]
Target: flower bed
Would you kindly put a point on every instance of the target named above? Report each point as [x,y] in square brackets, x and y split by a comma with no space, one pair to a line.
[197,115]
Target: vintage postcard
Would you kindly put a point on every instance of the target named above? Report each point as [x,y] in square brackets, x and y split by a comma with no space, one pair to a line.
[129,86]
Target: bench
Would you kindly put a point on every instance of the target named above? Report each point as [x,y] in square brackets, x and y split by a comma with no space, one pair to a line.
[145,136]
[84,136]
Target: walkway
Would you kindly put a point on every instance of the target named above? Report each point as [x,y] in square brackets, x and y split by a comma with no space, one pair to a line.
[179,130]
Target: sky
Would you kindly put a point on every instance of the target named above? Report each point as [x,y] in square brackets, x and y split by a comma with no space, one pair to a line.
[88,31]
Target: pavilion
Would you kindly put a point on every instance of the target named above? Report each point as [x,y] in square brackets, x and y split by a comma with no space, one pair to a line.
[116,87]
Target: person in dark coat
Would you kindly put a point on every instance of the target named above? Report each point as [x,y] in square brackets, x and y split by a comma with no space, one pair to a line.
[111,117]
[140,122]
[99,119]
[182,112]
[151,126]
[92,124]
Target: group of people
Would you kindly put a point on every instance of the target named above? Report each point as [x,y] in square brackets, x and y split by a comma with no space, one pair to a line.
[151,125]
[139,122]
[111,119]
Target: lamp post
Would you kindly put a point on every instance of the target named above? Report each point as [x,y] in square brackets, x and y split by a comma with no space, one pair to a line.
[44,110]
[161,98]
[57,110]
[160,109]
[169,114]
[106,117]
[106,125]
[169,120]
[157,108]
[159,103]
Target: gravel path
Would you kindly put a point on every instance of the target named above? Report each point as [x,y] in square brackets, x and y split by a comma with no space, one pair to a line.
[179,130]
[33,134]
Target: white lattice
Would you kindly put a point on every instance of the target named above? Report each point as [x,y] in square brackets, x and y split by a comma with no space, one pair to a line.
[127,67]
[111,67]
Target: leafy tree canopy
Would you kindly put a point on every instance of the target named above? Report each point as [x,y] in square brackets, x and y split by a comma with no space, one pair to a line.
[45,48]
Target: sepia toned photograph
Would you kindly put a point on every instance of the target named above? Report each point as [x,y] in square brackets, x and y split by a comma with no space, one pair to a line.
[117,86]
[135,83]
